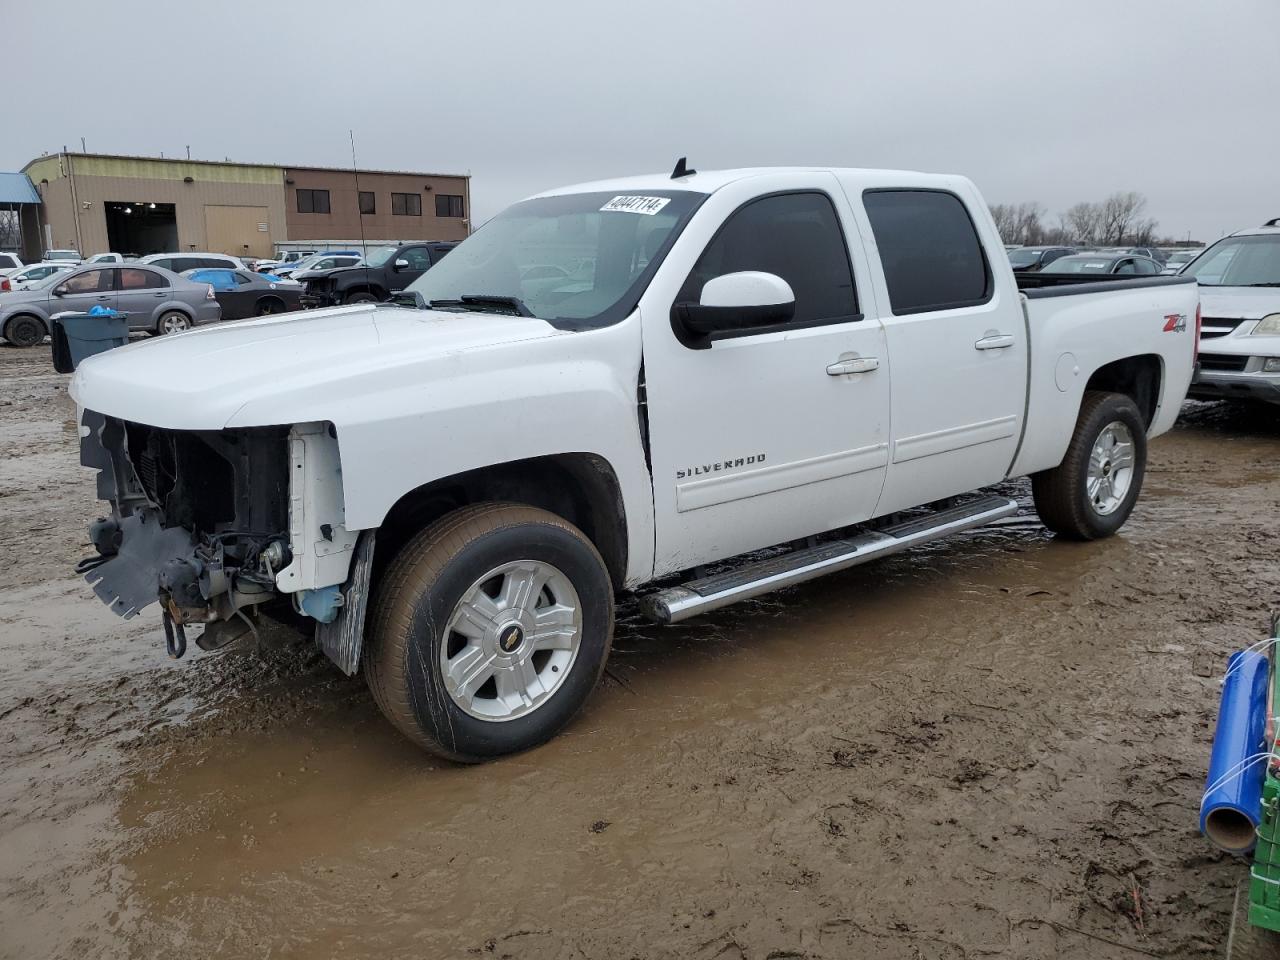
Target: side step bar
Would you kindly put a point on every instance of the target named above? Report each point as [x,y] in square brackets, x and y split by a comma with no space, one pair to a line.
[673,604]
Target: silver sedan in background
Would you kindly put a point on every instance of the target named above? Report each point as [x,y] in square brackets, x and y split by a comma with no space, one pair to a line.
[155,300]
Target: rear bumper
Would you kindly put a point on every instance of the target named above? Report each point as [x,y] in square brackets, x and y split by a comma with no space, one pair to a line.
[208,312]
[1247,384]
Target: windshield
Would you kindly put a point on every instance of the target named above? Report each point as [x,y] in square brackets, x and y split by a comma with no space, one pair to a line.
[1182,256]
[62,255]
[1078,265]
[379,255]
[582,258]
[46,281]
[1239,262]
[1024,258]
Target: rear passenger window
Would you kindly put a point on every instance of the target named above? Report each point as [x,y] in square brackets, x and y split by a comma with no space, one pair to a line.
[929,249]
[135,278]
[795,236]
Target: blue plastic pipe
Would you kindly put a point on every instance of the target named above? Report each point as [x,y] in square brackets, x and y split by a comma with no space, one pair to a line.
[1232,805]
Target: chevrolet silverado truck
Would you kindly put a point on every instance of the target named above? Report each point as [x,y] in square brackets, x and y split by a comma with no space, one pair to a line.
[384,273]
[1239,279]
[696,388]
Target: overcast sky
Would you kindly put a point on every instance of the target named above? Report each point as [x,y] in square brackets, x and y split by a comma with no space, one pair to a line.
[1055,102]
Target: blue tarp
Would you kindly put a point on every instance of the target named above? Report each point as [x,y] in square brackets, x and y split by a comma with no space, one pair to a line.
[17,188]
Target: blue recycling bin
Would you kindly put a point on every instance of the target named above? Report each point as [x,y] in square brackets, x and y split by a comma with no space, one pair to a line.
[80,335]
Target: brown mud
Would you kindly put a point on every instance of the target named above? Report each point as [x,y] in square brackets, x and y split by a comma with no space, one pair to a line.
[990,748]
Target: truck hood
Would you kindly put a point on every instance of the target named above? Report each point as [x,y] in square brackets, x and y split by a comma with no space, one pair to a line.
[1239,303]
[261,372]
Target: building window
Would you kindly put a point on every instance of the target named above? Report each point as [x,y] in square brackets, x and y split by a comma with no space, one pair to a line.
[313,201]
[406,205]
[367,202]
[448,206]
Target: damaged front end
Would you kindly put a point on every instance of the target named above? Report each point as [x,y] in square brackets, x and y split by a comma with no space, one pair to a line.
[218,525]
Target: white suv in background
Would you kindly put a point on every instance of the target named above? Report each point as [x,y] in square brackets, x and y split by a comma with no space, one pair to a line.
[1239,279]
[182,262]
[9,262]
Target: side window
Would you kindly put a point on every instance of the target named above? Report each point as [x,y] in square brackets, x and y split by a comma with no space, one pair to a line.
[438,253]
[182,264]
[134,278]
[90,281]
[1126,266]
[406,205]
[929,249]
[417,257]
[449,205]
[165,263]
[214,263]
[1148,267]
[795,236]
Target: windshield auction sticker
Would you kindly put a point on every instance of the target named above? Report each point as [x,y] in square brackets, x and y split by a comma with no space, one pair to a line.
[646,205]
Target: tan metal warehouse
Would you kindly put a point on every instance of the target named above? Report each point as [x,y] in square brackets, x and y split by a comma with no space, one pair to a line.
[98,203]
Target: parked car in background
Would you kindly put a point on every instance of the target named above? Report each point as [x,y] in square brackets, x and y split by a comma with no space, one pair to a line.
[243,293]
[154,299]
[1031,259]
[1104,264]
[9,263]
[62,256]
[1239,279]
[32,275]
[385,272]
[182,262]
[1180,258]
[309,263]
[1151,253]
[288,257]
[321,265]
[106,258]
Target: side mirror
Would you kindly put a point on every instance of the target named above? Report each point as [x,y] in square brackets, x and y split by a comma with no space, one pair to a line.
[733,303]
[60,290]
[402,264]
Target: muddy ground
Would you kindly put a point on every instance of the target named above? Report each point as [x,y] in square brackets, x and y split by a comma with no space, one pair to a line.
[977,750]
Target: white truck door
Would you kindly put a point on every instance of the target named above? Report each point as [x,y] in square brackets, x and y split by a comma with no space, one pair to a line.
[769,434]
[957,343]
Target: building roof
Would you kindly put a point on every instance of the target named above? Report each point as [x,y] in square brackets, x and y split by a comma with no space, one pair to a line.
[237,163]
[17,188]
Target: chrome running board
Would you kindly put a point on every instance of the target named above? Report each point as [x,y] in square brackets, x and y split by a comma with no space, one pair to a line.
[673,604]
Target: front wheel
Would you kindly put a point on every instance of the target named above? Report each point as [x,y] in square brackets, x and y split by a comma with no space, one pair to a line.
[489,631]
[24,331]
[360,296]
[1092,492]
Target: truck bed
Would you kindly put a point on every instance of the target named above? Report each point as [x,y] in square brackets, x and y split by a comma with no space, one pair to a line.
[1037,285]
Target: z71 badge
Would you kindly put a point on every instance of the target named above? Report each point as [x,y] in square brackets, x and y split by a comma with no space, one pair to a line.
[1175,322]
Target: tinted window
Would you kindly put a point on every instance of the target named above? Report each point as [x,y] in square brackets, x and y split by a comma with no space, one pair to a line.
[7,261]
[795,236]
[182,264]
[448,205]
[243,279]
[165,263]
[1126,266]
[417,257]
[134,278]
[1147,267]
[929,248]
[367,202]
[406,205]
[216,263]
[91,281]
[313,201]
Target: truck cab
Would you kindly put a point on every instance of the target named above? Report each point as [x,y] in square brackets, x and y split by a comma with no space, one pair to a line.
[633,385]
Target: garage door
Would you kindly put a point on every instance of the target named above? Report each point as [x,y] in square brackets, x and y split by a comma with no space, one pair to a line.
[239,231]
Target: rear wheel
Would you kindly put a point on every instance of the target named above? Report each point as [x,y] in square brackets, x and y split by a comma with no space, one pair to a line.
[489,631]
[24,331]
[174,321]
[360,296]
[269,305]
[1092,492]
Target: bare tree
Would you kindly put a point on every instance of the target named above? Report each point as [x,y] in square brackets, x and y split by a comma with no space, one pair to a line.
[1120,213]
[1116,221]
[1019,223]
[1083,222]
[10,233]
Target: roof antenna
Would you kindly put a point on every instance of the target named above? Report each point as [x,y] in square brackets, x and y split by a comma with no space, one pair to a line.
[682,170]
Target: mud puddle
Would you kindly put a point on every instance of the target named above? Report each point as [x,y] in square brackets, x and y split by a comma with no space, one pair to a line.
[980,749]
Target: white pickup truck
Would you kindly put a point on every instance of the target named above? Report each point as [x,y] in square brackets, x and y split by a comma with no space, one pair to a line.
[628,385]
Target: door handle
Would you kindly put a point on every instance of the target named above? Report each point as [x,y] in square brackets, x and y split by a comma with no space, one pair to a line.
[856,365]
[997,342]
[104,298]
[160,294]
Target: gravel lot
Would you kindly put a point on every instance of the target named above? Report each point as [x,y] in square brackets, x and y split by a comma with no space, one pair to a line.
[981,749]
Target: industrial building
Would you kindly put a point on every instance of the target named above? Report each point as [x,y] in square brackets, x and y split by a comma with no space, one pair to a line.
[98,203]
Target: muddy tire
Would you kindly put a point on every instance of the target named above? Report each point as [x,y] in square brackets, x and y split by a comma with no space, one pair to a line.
[269,305]
[360,296]
[489,630]
[1092,492]
[24,331]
